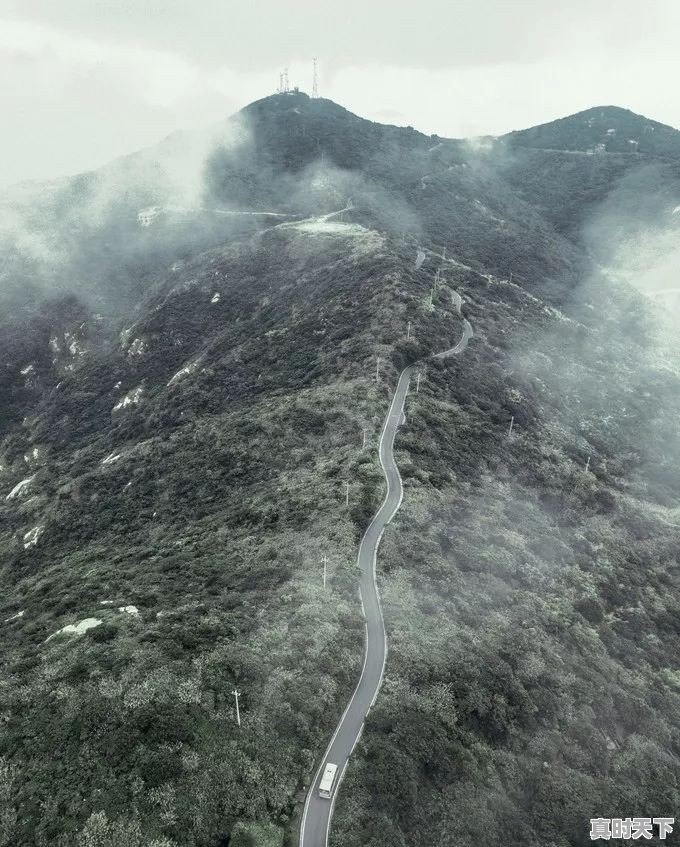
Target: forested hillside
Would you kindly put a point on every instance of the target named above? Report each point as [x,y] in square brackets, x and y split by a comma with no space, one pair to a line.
[531,586]
[181,409]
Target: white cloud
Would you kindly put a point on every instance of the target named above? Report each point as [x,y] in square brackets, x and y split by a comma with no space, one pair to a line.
[158,78]
[494,99]
[72,102]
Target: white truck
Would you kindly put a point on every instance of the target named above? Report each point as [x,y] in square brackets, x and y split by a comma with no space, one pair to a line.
[328,780]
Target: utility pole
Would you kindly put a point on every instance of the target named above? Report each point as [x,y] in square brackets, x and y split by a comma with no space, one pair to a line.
[236,694]
[512,424]
[347,494]
[315,84]
[418,383]
[377,369]
[408,333]
[325,563]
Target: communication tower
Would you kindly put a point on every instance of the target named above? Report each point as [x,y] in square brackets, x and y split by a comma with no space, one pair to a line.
[284,86]
[315,84]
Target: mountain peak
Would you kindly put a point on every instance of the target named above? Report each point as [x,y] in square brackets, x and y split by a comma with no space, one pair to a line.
[602,129]
[291,130]
[286,110]
[280,100]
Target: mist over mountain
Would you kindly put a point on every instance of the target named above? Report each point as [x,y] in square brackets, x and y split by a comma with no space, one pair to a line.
[185,397]
[489,200]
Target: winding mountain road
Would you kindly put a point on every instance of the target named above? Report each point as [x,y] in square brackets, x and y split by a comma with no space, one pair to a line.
[316,817]
[462,344]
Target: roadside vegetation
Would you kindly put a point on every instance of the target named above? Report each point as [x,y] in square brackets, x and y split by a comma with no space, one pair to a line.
[530,587]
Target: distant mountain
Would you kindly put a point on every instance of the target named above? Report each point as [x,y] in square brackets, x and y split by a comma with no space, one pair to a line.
[602,129]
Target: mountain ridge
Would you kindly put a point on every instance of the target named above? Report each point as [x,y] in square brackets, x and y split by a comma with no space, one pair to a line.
[292,100]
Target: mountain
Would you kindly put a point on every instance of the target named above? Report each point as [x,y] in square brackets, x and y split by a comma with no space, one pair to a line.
[287,154]
[608,129]
[182,406]
[602,177]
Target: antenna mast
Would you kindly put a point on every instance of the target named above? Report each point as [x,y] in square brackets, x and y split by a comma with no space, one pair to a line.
[315,85]
[284,85]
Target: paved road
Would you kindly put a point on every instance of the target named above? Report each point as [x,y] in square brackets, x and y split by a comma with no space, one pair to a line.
[462,344]
[317,813]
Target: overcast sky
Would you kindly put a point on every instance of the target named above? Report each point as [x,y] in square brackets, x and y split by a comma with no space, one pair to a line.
[83,81]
